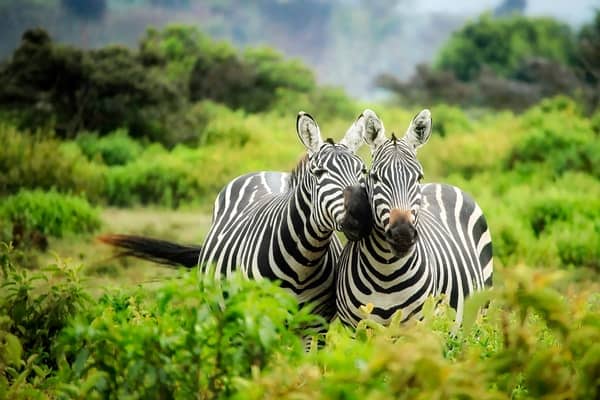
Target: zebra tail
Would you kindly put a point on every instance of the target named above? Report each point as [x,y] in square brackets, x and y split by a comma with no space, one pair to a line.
[155,250]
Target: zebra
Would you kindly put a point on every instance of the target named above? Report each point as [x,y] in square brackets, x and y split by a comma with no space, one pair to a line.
[276,225]
[427,239]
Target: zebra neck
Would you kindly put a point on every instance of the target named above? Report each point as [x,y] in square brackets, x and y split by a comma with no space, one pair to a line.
[383,259]
[305,240]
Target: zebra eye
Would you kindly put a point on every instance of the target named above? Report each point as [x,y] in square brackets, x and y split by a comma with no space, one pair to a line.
[374,177]
[319,172]
[364,171]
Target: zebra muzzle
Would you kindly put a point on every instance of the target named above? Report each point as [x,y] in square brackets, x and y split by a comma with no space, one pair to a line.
[358,219]
[401,236]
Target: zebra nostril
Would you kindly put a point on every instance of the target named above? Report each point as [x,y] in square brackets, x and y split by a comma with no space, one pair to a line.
[401,236]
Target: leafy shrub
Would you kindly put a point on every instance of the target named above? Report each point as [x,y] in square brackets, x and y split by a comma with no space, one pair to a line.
[557,136]
[39,161]
[530,344]
[116,148]
[578,242]
[50,213]
[34,308]
[502,43]
[162,180]
[99,89]
[324,102]
[450,120]
[190,338]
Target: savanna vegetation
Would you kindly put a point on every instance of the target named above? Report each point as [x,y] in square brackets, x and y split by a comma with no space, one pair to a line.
[141,140]
[508,63]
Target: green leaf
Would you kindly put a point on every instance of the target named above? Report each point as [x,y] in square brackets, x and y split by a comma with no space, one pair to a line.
[473,305]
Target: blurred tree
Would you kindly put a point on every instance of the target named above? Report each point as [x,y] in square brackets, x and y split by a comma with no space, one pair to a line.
[427,86]
[250,82]
[224,79]
[508,63]
[508,7]
[588,48]
[503,43]
[74,89]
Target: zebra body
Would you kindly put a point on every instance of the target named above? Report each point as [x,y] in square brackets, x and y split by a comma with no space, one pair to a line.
[258,227]
[276,225]
[449,258]
[427,239]
[281,226]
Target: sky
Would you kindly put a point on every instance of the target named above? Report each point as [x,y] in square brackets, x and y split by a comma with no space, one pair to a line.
[574,12]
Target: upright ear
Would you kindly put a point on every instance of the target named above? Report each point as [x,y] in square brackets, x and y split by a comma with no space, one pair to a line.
[374,132]
[419,130]
[308,132]
[354,137]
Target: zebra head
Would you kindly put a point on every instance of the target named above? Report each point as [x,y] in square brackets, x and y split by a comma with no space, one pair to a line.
[333,172]
[393,184]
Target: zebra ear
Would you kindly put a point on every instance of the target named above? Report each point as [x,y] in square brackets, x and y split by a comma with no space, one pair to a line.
[308,132]
[419,130]
[373,132]
[354,137]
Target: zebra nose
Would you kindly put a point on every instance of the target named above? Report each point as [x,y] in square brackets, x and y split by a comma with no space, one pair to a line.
[397,215]
[357,221]
[401,233]
[401,236]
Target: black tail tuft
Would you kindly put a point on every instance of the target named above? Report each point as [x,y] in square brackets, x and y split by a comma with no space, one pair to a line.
[156,250]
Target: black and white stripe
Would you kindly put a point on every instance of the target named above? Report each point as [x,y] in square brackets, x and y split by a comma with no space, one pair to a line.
[427,239]
[277,225]
[280,226]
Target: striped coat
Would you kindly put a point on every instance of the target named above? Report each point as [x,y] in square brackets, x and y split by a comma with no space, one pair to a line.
[427,239]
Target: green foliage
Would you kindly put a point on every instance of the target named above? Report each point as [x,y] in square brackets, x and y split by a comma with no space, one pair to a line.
[161,178]
[450,119]
[175,49]
[329,101]
[557,136]
[190,338]
[98,90]
[50,213]
[34,309]
[39,161]
[503,43]
[250,82]
[507,63]
[530,344]
[116,148]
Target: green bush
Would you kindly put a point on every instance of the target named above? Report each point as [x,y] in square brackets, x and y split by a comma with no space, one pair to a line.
[578,242]
[34,309]
[324,102]
[450,120]
[116,148]
[50,213]
[162,179]
[190,338]
[236,338]
[30,161]
[556,135]
[503,43]
[97,90]
[530,344]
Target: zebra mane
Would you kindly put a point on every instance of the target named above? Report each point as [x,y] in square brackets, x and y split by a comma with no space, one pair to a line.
[394,138]
[329,140]
[298,171]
